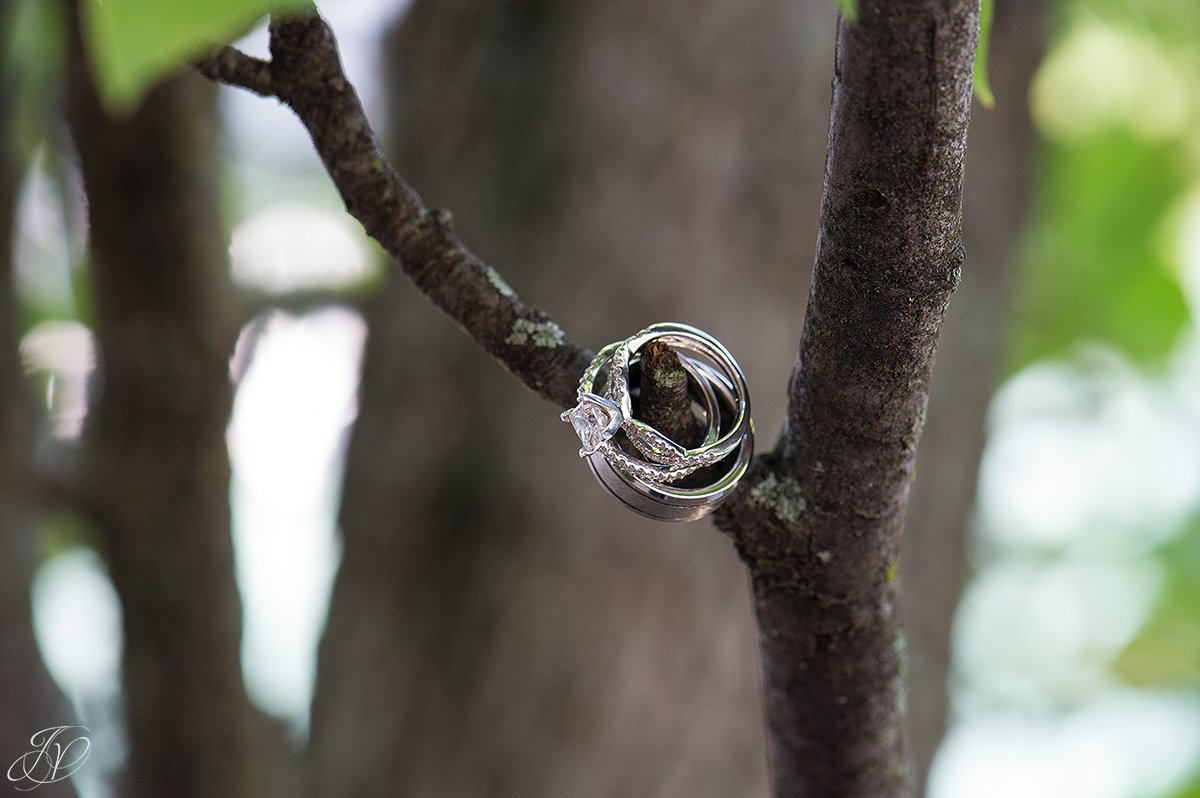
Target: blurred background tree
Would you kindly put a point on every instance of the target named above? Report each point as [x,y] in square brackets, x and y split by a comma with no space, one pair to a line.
[1089,486]
[495,628]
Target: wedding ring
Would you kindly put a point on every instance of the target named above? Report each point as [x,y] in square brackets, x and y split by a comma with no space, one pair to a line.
[639,464]
[666,502]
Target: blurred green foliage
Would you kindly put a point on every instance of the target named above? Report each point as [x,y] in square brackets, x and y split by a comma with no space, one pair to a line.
[32,36]
[1116,166]
[134,43]
[1094,266]
[1190,790]
[31,59]
[1166,651]
[983,86]
[1117,184]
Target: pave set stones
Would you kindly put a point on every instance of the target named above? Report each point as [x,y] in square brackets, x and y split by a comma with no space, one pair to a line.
[640,467]
[595,420]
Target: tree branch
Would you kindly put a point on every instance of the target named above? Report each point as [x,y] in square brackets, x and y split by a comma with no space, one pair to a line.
[230,65]
[664,395]
[996,206]
[819,520]
[306,74]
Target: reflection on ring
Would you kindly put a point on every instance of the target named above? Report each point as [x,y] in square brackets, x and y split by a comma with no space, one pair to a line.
[640,465]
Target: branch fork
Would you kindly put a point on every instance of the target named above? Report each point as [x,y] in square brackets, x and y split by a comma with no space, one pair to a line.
[818,520]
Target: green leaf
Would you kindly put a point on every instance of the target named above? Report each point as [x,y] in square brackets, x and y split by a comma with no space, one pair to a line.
[135,43]
[1094,268]
[983,89]
[849,9]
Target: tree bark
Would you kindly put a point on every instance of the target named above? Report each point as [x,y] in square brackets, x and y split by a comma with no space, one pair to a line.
[154,457]
[430,540]
[819,519]
[305,73]
[664,402]
[644,619]
[996,202]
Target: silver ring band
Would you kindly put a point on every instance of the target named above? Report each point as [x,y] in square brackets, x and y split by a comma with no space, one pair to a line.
[683,336]
[636,462]
[664,502]
[673,469]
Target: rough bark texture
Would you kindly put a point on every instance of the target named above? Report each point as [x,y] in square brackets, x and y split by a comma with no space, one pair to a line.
[624,207]
[664,395]
[819,520]
[306,74]
[426,546]
[933,558]
[430,541]
[30,700]
[521,663]
[154,456]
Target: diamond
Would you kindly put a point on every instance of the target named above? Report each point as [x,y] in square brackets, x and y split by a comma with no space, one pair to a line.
[595,420]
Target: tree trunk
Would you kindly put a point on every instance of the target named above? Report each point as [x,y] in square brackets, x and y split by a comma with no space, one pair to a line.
[933,560]
[154,458]
[626,210]
[819,520]
[30,699]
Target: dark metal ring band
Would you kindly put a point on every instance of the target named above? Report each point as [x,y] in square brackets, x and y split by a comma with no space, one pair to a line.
[641,477]
[664,502]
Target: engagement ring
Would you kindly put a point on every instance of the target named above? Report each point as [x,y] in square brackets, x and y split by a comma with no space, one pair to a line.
[639,464]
